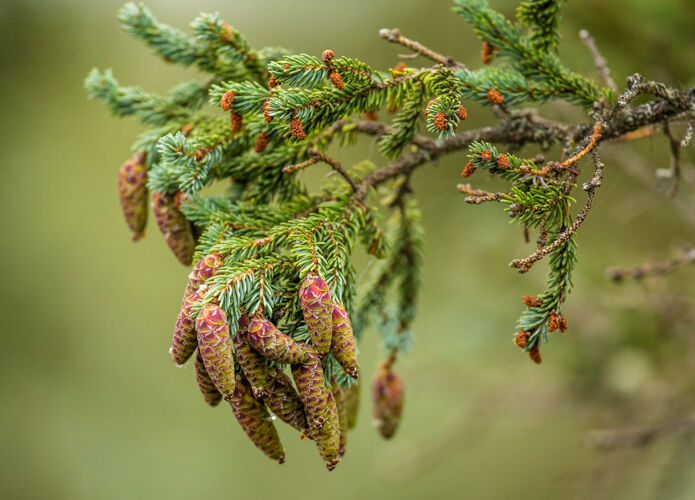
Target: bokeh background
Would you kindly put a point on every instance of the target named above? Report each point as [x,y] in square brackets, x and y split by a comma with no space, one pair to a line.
[92,406]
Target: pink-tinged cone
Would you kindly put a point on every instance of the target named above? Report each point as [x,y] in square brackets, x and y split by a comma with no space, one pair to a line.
[254,366]
[215,347]
[184,340]
[175,228]
[204,269]
[387,397]
[284,402]
[343,342]
[132,193]
[312,390]
[275,345]
[317,307]
[254,419]
[207,387]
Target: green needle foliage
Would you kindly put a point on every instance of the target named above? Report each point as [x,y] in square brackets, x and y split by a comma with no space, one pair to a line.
[271,113]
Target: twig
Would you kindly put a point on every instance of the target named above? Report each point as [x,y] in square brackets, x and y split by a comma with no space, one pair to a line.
[523,265]
[620,275]
[394,36]
[675,160]
[599,60]
[616,438]
[335,165]
[293,168]
[478,196]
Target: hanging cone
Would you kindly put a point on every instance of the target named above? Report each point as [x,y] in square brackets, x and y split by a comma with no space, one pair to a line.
[343,341]
[207,387]
[317,307]
[387,397]
[254,366]
[215,347]
[275,345]
[132,192]
[205,268]
[253,417]
[284,401]
[184,340]
[174,226]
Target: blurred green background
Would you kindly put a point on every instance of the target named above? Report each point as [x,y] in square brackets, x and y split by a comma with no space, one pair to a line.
[92,406]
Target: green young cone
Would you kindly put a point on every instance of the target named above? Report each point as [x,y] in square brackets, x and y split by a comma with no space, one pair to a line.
[284,402]
[184,340]
[254,419]
[215,347]
[207,387]
[343,341]
[132,192]
[254,366]
[205,268]
[317,308]
[174,226]
[275,345]
[352,403]
[340,396]
[387,397]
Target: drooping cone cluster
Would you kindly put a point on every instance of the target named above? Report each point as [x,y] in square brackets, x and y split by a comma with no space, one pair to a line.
[387,398]
[257,349]
[174,226]
[132,193]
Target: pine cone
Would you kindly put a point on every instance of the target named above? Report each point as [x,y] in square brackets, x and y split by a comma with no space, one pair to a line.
[215,347]
[205,268]
[174,226]
[352,403]
[184,340]
[387,397]
[207,387]
[317,307]
[343,341]
[312,390]
[254,366]
[275,345]
[284,402]
[132,192]
[253,417]
[328,436]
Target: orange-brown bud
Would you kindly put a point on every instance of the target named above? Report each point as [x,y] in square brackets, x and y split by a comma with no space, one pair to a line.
[521,338]
[327,56]
[296,129]
[261,142]
[439,120]
[486,155]
[502,162]
[553,321]
[337,80]
[462,113]
[535,354]
[531,301]
[227,100]
[486,52]
[237,121]
[494,96]
[468,169]
[563,324]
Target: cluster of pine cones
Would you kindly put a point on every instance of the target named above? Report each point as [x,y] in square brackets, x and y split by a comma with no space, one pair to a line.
[243,366]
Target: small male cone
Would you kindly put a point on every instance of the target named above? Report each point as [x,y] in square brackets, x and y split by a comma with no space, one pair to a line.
[204,269]
[254,419]
[343,341]
[284,401]
[207,387]
[132,193]
[184,340]
[340,396]
[312,390]
[317,308]
[215,347]
[174,227]
[254,366]
[275,345]
[387,397]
